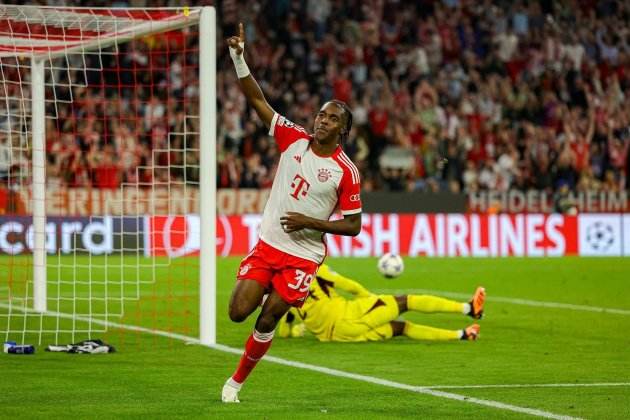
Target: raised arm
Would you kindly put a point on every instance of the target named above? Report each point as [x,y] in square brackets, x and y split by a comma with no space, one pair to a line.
[248,84]
[590,131]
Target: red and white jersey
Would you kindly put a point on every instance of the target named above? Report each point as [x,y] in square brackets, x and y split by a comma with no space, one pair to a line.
[309,184]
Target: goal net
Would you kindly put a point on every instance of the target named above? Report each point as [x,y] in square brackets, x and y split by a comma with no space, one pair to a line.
[106,172]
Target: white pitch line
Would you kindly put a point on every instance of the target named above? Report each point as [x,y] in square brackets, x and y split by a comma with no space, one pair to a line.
[322,369]
[412,388]
[575,385]
[515,301]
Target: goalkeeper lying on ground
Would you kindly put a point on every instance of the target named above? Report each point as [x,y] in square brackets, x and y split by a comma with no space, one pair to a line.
[369,317]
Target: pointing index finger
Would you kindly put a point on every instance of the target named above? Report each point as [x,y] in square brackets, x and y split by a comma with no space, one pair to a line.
[241,32]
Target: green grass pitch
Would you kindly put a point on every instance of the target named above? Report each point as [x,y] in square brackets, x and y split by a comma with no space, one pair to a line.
[522,342]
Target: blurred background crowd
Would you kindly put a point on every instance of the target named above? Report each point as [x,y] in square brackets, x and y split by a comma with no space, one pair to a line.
[447,95]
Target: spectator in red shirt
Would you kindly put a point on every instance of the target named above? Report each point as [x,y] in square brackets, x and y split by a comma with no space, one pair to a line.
[107,172]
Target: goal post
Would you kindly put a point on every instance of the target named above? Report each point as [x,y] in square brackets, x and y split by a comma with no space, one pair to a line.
[207,179]
[84,92]
[38,123]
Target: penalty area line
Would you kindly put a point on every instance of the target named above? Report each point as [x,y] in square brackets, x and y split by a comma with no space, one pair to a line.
[320,369]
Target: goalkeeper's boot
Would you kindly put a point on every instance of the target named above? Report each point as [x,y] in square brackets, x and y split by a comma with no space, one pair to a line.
[470,333]
[229,394]
[476,303]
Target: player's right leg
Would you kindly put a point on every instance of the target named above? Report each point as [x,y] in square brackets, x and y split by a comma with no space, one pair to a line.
[253,280]
[416,332]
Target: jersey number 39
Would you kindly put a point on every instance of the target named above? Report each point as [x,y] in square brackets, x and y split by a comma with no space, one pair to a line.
[302,281]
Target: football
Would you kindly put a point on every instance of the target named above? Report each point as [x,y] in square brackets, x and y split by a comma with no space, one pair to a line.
[390,265]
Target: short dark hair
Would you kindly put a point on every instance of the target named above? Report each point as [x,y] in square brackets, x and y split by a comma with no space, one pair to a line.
[346,109]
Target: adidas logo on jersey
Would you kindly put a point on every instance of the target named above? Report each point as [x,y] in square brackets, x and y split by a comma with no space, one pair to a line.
[298,158]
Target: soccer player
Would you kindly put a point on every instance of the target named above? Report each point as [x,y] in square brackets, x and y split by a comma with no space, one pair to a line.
[314,177]
[369,317]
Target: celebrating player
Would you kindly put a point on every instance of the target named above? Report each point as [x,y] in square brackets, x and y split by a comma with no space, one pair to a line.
[314,177]
[368,317]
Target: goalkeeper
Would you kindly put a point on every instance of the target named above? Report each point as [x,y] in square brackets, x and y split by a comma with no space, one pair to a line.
[369,317]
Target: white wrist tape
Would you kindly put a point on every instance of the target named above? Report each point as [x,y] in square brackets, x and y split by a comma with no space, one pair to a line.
[240,65]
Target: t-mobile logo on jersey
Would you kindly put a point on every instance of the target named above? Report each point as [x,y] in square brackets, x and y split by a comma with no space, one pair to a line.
[300,187]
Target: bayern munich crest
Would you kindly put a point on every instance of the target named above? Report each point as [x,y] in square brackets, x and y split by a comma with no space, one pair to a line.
[323,175]
[244,269]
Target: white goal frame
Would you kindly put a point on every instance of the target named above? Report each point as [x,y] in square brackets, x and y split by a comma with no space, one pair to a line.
[206,18]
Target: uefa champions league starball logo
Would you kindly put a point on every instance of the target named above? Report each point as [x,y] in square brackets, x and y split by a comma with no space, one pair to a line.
[600,236]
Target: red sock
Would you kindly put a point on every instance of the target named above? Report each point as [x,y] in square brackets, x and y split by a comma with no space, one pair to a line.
[255,348]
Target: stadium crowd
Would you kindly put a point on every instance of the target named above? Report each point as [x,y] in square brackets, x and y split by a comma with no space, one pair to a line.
[451,95]
[447,95]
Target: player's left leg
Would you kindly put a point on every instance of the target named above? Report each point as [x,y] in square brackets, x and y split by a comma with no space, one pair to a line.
[245,299]
[257,344]
[422,332]
[253,281]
